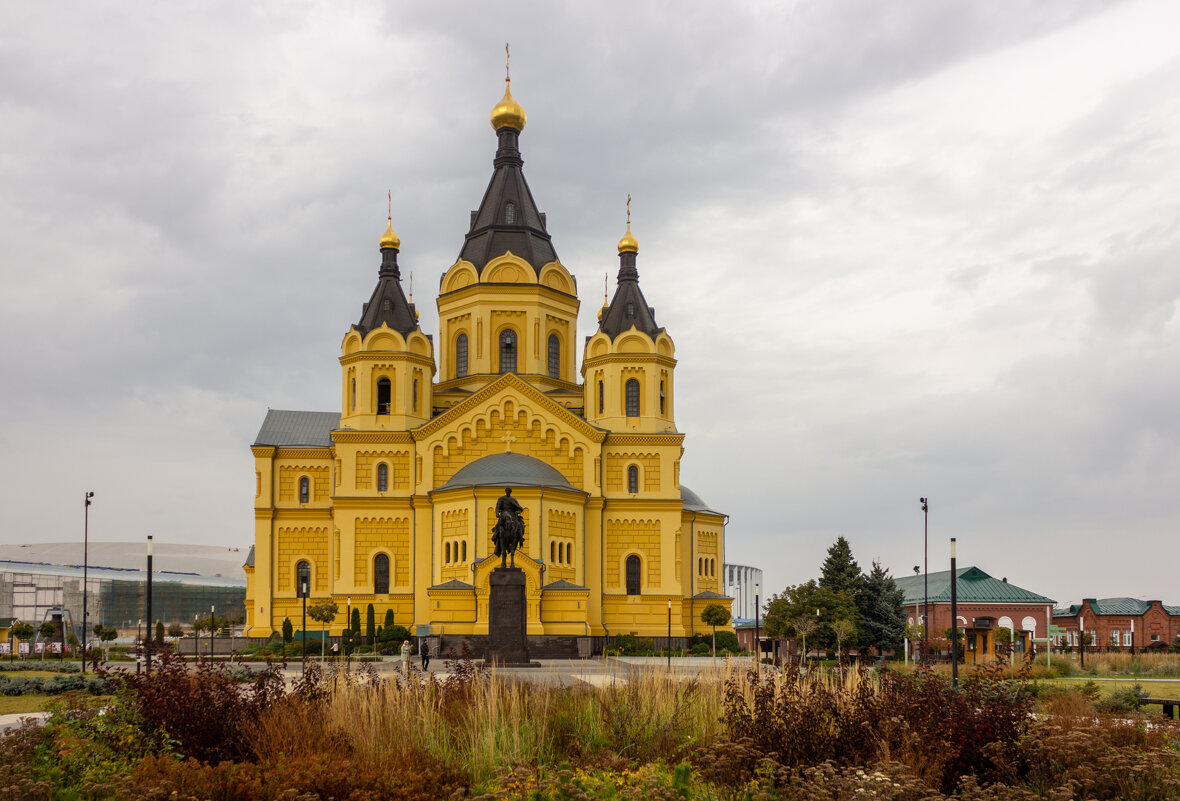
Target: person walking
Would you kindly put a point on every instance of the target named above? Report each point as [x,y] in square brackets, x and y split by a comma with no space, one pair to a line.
[424,652]
[406,657]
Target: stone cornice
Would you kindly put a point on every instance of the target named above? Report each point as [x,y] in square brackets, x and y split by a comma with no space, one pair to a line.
[344,435]
[387,355]
[511,382]
[263,451]
[303,453]
[642,506]
[607,358]
[264,513]
[671,438]
[296,514]
[377,503]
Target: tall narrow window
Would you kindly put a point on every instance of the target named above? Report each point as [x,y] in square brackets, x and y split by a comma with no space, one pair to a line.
[304,489]
[601,398]
[464,557]
[303,580]
[633,567]
[553,552]
[554,356]
[382,477]
[663,404]
[352,402]
[632,397]
[461,356]
[381,574]
[632,479]
[510,213]
[384,395]
[508,351]
[447,552]
[415,394]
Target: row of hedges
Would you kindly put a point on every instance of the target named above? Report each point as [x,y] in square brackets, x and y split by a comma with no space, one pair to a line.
[48,667]
[22,685]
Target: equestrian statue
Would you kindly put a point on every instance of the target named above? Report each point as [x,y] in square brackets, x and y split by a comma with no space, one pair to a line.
[508,533]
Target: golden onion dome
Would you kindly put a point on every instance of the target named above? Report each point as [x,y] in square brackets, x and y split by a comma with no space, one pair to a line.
[389,239]
[508,113]
[628,244]
[601,312]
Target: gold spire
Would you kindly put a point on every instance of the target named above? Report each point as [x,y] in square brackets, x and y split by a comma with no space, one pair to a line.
[508,113]
[628,244]
[389,239]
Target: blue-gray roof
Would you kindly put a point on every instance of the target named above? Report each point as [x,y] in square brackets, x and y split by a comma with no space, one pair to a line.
[694,502]
[289,429]
[508,470]
[562,584]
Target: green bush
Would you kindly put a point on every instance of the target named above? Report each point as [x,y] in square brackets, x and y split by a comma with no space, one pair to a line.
[48,667]
[56,685]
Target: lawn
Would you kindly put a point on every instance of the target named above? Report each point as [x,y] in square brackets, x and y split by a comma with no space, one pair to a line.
[1155,689]
[20,704]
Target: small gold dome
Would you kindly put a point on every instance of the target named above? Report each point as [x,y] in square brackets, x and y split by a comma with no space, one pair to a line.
[508,113]
[389,238]
[600,313]
[628,244]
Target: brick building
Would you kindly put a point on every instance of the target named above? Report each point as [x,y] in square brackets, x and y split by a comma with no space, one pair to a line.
[986,604]
[1119,623]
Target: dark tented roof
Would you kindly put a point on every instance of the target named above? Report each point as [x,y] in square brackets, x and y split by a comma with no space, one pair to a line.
[693,502]
[562,584]
[250,558]
[288,429]
[628,308]
[388,304]
[974,586]
[453,584]
[507,218]
[508,470]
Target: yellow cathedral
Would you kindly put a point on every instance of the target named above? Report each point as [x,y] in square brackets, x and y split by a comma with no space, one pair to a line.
[391,500]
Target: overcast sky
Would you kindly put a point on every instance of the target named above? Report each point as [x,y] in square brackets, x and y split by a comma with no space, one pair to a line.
[904,249]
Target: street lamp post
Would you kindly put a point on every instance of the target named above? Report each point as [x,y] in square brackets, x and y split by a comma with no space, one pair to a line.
[757,638]
[917,612]
[303,590]
[954,621]
[926,573]
[348,631]
[85,572]
[212,625]
[148,603]
[669,634]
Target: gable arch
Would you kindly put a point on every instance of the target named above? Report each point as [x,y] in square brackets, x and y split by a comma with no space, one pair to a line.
[508,269]
[461,274]
[555,276]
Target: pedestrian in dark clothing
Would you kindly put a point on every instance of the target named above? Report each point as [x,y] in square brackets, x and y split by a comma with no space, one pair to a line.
[425,654]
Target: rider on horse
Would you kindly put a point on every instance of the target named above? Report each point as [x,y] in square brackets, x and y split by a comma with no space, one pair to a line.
[508,533]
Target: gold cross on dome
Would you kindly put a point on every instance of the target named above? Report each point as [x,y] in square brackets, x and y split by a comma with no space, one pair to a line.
[508,439]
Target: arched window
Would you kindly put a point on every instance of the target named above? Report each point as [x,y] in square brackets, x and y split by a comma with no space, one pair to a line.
[464,550]
[352,403]
[553,552]
[382,477]
[509,213]
[447,548]
[508,351]
[633,567]
[415,394]
[383,395]
[632,390]
[303,579]
[381,574]
[304,489]
[554,356]
[700,565]
[601,398]
[632,479]
[461,356]
[663,400]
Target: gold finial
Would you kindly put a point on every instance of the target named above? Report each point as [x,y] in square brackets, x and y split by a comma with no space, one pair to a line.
[603,309]
[508,113]
[415,308]
[628,244]
[389,239]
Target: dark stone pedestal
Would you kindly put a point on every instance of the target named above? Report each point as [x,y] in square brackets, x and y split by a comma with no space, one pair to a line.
[507,617]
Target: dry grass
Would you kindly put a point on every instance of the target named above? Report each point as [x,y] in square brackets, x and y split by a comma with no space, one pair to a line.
[1124,664]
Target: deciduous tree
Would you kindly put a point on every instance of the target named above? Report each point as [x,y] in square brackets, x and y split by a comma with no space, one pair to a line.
[715,615]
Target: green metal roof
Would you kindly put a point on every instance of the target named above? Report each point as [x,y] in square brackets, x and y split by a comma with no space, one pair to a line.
[1118,606]
[974,586]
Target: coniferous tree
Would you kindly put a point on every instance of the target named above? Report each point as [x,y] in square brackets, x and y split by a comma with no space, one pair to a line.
[370,623]
[388,619]
[840,572]
[882,615]
[355,623]
[288,630]
[159,633]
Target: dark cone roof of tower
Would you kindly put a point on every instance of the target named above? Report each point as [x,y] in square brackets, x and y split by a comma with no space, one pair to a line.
[507,218]
[628,307]
[388,305]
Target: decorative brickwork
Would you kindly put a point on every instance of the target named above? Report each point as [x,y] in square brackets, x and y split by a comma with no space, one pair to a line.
[391,534]
[649,471]
[289,477]
[632,536]
[304,542]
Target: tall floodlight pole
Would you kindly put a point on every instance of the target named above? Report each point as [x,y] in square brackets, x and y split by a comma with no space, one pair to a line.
[925,574]
[148,603]
[757,638]
[85,571]
[954,621]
